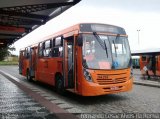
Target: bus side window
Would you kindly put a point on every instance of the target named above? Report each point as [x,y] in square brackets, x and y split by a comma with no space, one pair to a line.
[47,52]
[47,48]
[57,50]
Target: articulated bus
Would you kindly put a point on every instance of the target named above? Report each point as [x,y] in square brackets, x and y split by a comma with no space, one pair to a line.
[88,59]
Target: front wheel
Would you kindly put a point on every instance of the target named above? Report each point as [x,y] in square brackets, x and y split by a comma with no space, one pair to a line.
[60,85]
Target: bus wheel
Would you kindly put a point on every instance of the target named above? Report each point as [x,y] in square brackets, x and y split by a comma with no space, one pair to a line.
[59,85]
[29,78]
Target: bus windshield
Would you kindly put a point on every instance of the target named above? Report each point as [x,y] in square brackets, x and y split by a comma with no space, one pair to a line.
[105,52]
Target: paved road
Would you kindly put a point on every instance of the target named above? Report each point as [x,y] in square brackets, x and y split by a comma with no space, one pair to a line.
[15,104]
[142,99]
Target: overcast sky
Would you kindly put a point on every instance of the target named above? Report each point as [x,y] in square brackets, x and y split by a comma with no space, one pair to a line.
[133,15]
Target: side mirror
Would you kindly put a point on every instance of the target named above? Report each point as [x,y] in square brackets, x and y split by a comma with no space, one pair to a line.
[80,40]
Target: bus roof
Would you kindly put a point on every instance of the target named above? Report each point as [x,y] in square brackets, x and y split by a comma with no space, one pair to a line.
[97,27]
[90,27]
[146,52]
[86,27]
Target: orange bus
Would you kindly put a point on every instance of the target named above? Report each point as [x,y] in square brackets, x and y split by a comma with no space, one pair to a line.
[88,59]
[152,62]
[27,61]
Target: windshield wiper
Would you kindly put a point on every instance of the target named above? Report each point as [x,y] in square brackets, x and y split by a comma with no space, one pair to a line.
[115,48]
[99,40]
[103,44]
[114,44]
[106,48]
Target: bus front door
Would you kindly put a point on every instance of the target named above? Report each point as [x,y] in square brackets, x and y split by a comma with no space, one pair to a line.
[69,63]
[21,58]
[32,61]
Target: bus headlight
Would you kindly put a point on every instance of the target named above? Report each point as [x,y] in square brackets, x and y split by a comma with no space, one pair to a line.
[87,75]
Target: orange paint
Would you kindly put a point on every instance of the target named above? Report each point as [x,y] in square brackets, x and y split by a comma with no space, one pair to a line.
[48,61]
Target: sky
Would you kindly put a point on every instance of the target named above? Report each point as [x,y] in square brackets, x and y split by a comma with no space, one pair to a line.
[132,15]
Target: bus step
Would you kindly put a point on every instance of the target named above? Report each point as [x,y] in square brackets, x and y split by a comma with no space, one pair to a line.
[34,79]
[72,90]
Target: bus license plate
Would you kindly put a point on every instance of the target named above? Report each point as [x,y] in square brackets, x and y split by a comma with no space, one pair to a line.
[114,88]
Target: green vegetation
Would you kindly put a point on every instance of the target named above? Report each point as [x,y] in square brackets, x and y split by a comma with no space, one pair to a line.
[5,51]
[12,60]
[6,58]
[8,63]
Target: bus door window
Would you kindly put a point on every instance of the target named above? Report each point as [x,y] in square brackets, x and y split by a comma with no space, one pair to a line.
[69,62]
[28,53]
[21,59]
[31,62]
[40,49]
[28,56]
[34,58]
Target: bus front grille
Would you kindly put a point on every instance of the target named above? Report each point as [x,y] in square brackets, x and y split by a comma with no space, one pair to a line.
[111,79]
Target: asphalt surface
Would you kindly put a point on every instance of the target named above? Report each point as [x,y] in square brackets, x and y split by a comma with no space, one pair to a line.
[142,99]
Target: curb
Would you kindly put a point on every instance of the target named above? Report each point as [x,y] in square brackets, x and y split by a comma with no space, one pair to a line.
[52,107]
[146,84]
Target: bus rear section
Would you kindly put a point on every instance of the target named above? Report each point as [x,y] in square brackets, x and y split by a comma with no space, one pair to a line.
[24,61]
[27,62]
[86,59]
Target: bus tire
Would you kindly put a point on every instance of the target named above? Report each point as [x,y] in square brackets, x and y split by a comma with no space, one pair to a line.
[28,76]
[59,85]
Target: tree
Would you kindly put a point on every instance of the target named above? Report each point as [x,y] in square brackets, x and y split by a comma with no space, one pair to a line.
[5,51]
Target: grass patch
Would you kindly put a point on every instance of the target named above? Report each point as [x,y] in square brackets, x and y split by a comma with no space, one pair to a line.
[8,63]
[11,60]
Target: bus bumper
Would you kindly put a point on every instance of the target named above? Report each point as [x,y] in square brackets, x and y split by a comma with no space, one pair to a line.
[93,89]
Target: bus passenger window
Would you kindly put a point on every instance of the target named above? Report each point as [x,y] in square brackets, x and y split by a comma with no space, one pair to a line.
[57,51]
[47,52]
[47,48]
